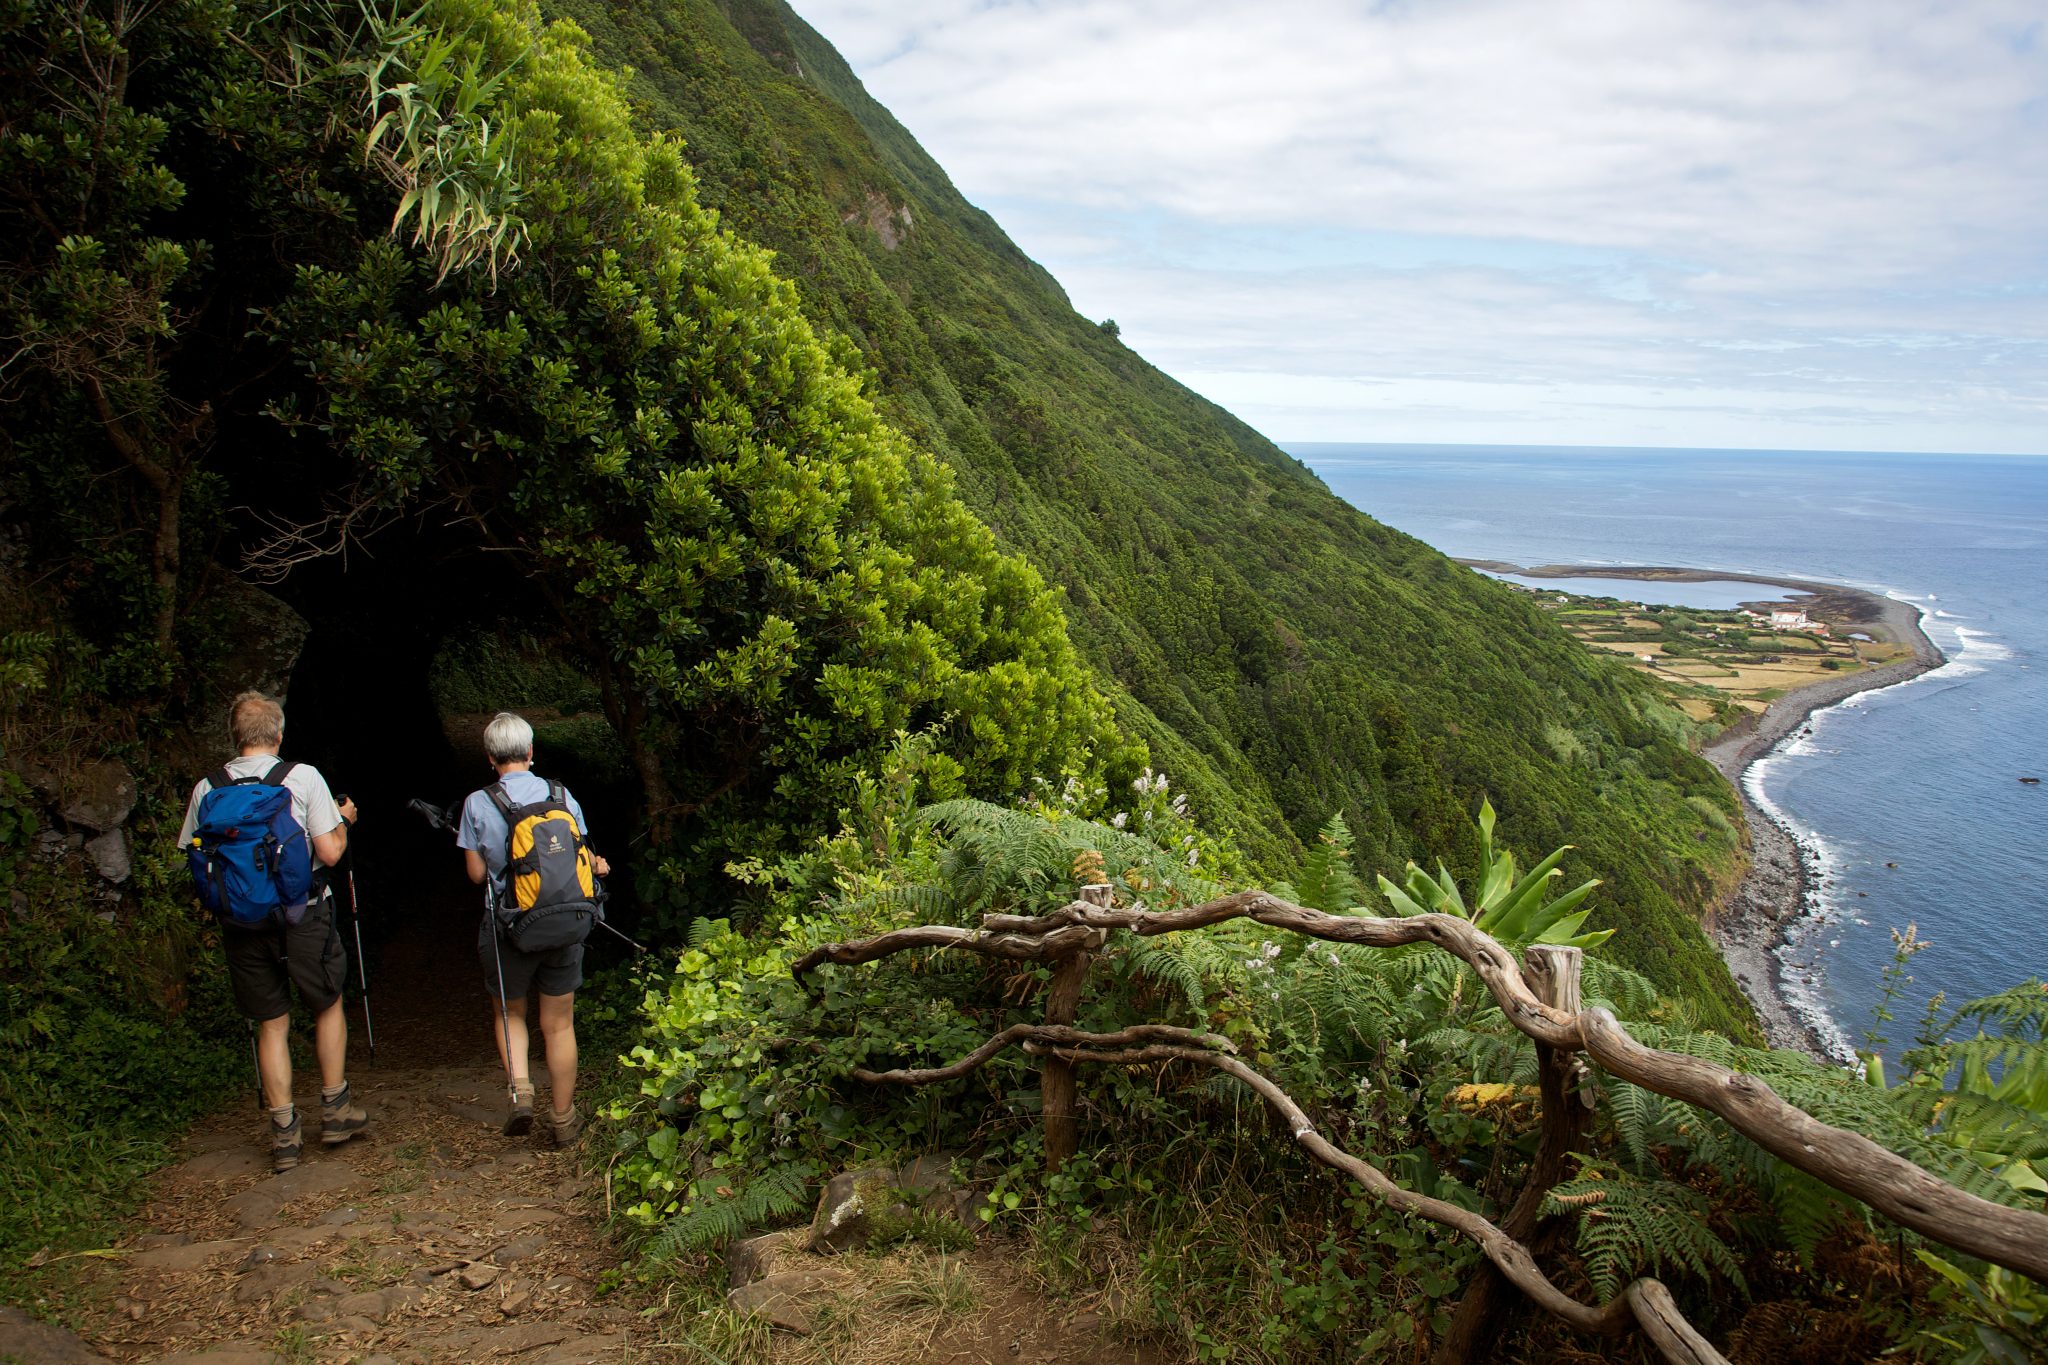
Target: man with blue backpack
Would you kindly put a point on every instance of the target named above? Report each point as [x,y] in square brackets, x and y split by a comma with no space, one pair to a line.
[259,833]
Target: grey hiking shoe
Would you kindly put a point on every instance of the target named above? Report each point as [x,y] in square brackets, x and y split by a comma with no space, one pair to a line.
[567,1130]
[519,1122]
[340,1118]
[285,1144]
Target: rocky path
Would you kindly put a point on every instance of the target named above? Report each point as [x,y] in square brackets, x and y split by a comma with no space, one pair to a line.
[431,1238]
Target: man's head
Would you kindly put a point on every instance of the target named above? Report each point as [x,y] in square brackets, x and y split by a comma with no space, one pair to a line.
[508,739]
[255,723]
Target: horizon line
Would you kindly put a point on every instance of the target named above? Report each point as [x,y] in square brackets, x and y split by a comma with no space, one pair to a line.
[1290,446]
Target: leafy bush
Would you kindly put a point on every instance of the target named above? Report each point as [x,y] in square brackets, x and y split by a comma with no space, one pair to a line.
[114,1034]
[1234,1246]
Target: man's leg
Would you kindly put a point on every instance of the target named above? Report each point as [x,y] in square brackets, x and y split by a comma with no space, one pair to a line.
[330,1044]
[558,1036]
[274,1059]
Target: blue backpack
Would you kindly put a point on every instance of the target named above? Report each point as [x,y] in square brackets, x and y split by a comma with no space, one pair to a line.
[249,856]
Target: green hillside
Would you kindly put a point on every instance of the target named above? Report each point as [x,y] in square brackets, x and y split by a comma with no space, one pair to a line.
[1284,655]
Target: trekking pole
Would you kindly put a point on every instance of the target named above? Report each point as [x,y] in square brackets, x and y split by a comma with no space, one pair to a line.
[256,1056]
[636,947]
[362,968]
[597,917]
[498,959]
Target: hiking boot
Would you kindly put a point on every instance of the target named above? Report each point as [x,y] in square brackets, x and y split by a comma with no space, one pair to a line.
[285,1144]
[340,1118]
[567,1129]
[520,1121]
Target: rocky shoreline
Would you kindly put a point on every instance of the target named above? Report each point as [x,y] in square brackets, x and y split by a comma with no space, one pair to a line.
[1752,924]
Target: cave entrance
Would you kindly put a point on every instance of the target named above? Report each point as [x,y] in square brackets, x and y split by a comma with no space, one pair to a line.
[362,706]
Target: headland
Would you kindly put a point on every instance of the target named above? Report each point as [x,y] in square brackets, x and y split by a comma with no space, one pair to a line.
[1752,924]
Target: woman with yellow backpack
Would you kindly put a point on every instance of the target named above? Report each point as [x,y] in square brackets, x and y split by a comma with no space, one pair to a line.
[524,839]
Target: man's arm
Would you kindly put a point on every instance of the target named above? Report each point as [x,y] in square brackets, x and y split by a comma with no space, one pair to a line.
[329,847]
[474,861]
[323,814]
[186,830]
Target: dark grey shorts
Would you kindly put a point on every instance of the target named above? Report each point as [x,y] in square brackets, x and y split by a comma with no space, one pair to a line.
[264,964]
[559,971]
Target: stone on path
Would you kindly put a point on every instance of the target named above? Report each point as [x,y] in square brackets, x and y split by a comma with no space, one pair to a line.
[848,1209]
[178,1260]
[513,1220]
[268,1281]
[375,1304]
[472,1107]
[261,1206]
[591,1350]
[41,1343]
[292,1241]
[246,1158]
[479,1276]
[752,1258]
[519,1248]
[789,1298]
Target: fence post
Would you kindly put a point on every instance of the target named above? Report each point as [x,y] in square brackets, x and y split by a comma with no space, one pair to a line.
[1062,1002]
[1553,974]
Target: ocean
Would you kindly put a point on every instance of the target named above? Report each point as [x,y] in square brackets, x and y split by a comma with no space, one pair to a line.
[1908,798]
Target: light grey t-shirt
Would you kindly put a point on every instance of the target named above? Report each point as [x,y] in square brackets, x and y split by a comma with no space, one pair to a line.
[483,829]
[312,804]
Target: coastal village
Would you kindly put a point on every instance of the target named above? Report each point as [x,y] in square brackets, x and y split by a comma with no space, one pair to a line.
[1722,664]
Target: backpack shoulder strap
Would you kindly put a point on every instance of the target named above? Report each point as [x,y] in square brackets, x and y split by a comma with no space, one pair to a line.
[558,795]
[278,772]
[502,799]
[221,777]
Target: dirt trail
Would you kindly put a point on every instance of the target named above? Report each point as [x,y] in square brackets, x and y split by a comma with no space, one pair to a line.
[431,1237]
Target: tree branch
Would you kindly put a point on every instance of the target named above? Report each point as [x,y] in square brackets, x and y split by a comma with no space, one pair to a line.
[1508,1255]
[1910,1196]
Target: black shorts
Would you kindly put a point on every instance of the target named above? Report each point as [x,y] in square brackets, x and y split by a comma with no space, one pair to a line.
[558,971]
[263,964]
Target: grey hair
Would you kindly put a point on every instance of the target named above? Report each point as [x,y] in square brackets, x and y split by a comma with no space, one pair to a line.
[256,722]
[508,738]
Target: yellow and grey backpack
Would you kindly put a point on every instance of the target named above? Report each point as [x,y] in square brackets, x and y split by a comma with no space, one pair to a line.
[550,881]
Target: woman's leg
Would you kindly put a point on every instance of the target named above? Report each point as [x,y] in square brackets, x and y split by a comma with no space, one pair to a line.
[512,1030]
[558,1036]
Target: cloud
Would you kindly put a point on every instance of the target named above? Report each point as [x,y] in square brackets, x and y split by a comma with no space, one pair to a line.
[1834,198]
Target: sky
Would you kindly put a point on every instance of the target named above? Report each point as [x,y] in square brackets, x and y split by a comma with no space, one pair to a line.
[1777,224]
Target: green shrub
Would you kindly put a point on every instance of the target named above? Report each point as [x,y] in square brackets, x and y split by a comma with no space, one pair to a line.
[114,1035]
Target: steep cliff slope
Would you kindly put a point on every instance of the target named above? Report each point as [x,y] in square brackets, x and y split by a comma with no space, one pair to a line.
[1284,655]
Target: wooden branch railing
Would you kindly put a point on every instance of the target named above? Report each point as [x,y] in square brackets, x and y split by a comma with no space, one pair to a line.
[2014,1238]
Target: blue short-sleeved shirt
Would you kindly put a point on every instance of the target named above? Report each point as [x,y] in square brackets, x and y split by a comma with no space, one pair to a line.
[483,828]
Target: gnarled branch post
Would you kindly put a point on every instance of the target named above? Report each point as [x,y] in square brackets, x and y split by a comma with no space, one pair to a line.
[1554,971]
[1062,1003]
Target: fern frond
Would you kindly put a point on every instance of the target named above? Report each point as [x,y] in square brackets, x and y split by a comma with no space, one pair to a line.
[1630,1226]
[774,1195]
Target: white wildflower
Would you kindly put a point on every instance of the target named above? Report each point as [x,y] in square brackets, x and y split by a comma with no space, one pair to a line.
[1194,856]
[1117,821]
